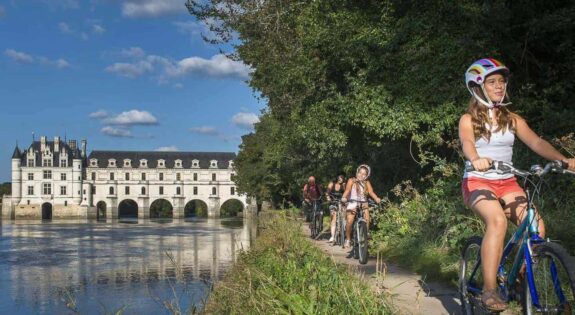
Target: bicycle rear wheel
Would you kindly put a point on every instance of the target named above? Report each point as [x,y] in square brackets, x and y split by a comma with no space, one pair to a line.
[312,226]
[362,242]
[342,229]
[554,281]
[317,223]
[470,276]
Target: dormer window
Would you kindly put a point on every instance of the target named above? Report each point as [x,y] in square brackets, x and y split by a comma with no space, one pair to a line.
[93,162]
[178,163]
[213,164]
[195,164]
[161,163]
[230,164]
[143,163]
[111,163]
[127,163]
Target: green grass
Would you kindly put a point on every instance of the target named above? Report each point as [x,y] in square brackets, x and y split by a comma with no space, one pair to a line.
[284,273]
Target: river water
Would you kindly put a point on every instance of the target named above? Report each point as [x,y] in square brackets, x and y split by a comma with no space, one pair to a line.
[142,267]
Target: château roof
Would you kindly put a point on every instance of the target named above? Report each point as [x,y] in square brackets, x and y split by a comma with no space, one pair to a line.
[170,158]
[17,154]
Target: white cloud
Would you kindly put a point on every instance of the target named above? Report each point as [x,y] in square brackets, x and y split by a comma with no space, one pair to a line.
[171,148]
[62,63]
[245,120]
[133,52]
[132,117]
[99,114]
[64,28]
[116,132]
[205,130]
[219,66]
[98,29]
[131,70]
[18,56]
[152,8]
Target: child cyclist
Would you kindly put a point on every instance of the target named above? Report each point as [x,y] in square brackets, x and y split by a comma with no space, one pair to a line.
[487,132]
[358,188]
[335,190]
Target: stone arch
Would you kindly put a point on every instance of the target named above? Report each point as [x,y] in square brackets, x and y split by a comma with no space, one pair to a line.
[128,208]
[161,208]
[101,209]
[46,211]
[231,207]
[196,208]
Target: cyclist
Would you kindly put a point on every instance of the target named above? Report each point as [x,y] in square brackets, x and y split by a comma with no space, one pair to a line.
[357,188]
[335,189]
[487,132]
[311,191]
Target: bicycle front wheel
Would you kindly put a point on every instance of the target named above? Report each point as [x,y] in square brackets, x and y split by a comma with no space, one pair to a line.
[362,242]
[317,223]
[470,276]
[554,281]
[342,224]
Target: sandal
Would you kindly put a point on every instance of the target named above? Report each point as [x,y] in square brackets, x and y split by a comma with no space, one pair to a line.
[492,301]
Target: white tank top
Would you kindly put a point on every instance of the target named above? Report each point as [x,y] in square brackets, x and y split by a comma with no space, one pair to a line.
[498,148]
[355,196]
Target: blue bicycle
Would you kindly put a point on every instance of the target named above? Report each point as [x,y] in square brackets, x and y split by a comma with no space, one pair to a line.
[542,274]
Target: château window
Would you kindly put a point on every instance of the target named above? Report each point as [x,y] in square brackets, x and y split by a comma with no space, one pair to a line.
[111,176]
[93,175]
[178,163]
[63,163]
[195,176]
[143,163]
[213,176]
[111,163]
[161,176]
[195,163]
[195,190]
[111,190]
[47,189]
[47,174]
[161,163]
[127,163]
[93,190]
[143,190]
[213,164]
[232,191]
[143,176]
[93,162]
[30,176]
[63,190]
[161,190]
[62,176]
[231,164]
[214,191]
[127,190]
[178,190]
[178,176]
[30,190]
[30,162]
[47,163]
[127,176]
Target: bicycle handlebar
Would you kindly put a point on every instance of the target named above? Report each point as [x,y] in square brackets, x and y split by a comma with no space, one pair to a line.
[500,167]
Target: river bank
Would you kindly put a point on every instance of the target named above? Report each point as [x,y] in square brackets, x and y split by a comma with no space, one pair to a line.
[286,273]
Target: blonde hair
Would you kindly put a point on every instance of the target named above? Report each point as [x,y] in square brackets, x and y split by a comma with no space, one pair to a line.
[480,116]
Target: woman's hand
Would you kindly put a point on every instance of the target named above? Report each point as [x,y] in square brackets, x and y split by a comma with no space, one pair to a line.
[378,200]
[343,200]
[482,164]
[570,163]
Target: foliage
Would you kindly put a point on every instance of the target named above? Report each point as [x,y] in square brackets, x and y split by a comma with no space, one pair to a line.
[286,274]
[231,208]
[161,208]
[381,82]
[196,208]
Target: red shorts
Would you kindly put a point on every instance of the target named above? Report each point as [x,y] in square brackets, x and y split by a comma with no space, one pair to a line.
[499,187]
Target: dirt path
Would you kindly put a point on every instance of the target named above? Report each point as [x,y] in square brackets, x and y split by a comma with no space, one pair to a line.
[410,294]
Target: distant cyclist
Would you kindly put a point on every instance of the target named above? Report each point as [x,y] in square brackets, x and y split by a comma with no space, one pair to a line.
[358,188]
[311,191]
[335,190]
[487,132]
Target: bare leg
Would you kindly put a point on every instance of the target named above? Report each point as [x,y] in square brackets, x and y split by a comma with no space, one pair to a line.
[333,221]
[350,215]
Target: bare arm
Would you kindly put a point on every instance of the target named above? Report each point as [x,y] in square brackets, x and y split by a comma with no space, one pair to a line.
[329,190]
[372,193]
[347,190]
[467,139]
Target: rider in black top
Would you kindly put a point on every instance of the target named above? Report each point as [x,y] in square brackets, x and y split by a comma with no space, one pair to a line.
[335,190]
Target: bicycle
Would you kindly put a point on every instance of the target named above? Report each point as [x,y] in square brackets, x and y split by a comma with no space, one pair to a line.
[339,220]
[543,268]
[316,224]
[359,230]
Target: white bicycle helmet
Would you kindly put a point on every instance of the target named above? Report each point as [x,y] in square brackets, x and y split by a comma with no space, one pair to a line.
[366,167]
[476,74]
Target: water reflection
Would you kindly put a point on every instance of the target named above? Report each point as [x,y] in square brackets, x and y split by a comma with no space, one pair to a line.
[100,267]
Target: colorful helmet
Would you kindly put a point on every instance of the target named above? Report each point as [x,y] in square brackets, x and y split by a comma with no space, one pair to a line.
[366,167]
[476,74]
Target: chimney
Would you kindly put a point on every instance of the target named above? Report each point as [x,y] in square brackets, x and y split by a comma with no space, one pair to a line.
[56,144]
[84,147]
[72,144]
[43,143]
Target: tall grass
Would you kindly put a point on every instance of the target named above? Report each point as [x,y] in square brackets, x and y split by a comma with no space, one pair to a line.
[284,273]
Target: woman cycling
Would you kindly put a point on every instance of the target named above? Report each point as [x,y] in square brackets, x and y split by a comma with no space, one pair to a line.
[487,132]
[335,190]
[358,188]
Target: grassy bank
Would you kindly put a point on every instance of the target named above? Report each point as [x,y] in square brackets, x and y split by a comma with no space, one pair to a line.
[285,274]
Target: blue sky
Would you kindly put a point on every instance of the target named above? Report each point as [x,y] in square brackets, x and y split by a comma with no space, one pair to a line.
[123,74]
